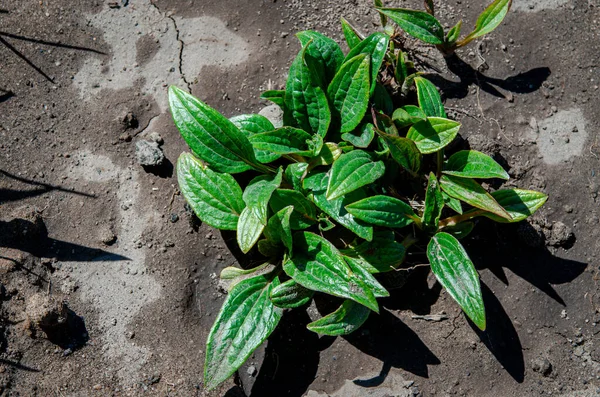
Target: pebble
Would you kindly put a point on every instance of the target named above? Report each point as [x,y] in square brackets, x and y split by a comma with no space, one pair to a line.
[559,235]
[155,136]
[148,153]
[174,218]
[251,370]
[542,365]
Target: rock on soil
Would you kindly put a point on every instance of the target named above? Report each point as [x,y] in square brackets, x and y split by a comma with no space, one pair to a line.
[149,153]
[45,314]
[542,365]
[559,235]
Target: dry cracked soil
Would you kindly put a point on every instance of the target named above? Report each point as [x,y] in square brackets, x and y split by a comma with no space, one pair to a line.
[109,284]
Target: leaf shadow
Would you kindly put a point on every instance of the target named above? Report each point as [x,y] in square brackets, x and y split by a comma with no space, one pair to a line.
[521,83]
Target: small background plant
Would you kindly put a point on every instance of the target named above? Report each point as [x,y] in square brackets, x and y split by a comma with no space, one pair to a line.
[334,198]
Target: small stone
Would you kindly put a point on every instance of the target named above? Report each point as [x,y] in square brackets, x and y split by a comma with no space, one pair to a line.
[155,136]
[131,335]
[107,237]
[542,365]
[97,386]
[560,235]
[174,218]
[274,114]
[67,352]
[129,121]
[148,153]
[251,370]
[568,208]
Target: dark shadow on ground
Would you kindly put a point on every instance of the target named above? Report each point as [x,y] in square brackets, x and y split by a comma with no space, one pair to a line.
[32,236]
[291,358]
[165,170]
[7,195]
[71,333]
[521,83]
[17,365]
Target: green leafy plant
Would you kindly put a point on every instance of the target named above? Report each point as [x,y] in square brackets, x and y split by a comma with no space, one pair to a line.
[425,26]
[357,175]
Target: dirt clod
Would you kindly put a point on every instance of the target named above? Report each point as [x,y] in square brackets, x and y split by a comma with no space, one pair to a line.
[129,121]
[45,313]
[148,153]
[559,235]
[542,365]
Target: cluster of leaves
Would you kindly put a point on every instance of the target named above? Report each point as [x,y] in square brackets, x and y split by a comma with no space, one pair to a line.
[355,176]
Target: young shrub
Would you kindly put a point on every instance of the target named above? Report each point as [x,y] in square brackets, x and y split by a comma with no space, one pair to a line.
[328,204]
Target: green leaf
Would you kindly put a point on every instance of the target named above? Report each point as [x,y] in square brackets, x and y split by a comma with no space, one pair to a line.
[382,99]
[460,230]
[352,171]
[231,276]
[258,193]
[306,98]
[215,198]
[489,20]
[287,140]
[405,152]
[408,115]
[304,214]
[246,319]
[434,203]
[319,266]
[386,124]
[275,96]
[401,72]
[380,255]
[345,320]
[456,273]
[278,228]
[453,34]
[251,124]
[429,98]
[324,50]
[360,137]
[362,270]
[210,135]
[269,248]
[519,203]
[418,24]
[249,229]
[382,211]
[474,164]
[353,38]
[375,46]
[471,193]
[290,295]
[433,134]
[349,92]
[335,208]
[328,154]
[453,203]
[294,173]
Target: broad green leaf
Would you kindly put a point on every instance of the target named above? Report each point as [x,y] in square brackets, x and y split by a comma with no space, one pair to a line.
[382,211]
[304,214]
[294,173]
[380,255]
[324,50]
[210,135]
[401,72]
[418,24]
[269,248]
[335,208]
[275,96]
[278,228]
[519,203]
[472,193]
[258,193]
[287,140]
[215,198]
[251,124]
[383,18]
[474,164]
[405,152]
[290,295]
[453,34]
[349,92]
[460,230]
[489,20]
[319,266]
[429,98]
[386,124]
[353,38]
[434,204]
[352,171]
[305,98]
[433,134]
[408,115]
[375,46]
[452,203]
[246,319]
[362,136]
[249,229]
[456,273]
[362,270]
[231,276]
[345,320]
[328,154]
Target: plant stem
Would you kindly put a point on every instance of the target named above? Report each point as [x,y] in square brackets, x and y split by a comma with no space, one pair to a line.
[440,161]
[409,241]
[455,220]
